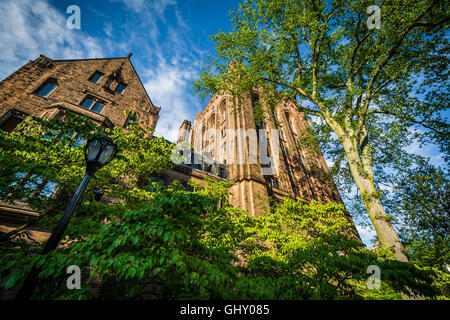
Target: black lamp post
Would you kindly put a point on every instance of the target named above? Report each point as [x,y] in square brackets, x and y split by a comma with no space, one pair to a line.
[98,152]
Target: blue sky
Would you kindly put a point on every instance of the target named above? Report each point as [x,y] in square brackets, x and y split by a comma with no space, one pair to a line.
[168,38]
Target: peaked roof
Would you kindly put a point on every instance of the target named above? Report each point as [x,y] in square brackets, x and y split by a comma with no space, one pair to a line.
[127,58]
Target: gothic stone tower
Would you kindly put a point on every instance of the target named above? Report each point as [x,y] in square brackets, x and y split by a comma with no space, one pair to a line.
[262,166]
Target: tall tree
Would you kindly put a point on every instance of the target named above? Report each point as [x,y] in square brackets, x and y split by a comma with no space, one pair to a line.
[423,205]
[350,64]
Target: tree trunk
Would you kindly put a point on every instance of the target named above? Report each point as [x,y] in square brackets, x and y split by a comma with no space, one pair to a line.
[364,181]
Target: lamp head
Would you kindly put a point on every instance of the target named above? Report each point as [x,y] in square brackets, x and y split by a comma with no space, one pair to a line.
[98,152]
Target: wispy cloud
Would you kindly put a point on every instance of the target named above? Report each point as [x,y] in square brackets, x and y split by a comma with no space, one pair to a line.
[169,87]
[108,29]
[30,28]
[170,63]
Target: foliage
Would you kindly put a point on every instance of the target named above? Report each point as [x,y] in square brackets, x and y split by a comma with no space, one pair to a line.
[372,92]
[422,205]
[145,242]
[311,252]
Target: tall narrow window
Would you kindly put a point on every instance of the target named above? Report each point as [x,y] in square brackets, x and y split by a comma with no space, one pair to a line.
[212,121]
[265,159]
[203,137]
[274,117]
[223,111]
[46,88]
[96,76]
[93,104]
[288,119]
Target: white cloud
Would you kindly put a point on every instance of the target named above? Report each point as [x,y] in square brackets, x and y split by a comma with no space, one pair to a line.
[108,29]
[167,66]
[169,87]
[134,5]
[367,235]
[170,64]
[31,28]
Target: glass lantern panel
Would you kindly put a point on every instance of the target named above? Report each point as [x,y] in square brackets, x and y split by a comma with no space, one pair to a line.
[107,154]
[93,149]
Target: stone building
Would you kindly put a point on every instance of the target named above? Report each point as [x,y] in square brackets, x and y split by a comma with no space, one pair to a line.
[265,159]
[100,89]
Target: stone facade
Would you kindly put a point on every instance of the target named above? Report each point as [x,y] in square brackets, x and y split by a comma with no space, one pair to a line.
[221,136]
[227,131]
[19,91]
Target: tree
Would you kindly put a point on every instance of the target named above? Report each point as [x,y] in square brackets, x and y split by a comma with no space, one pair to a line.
[154,241]
[423,218]
[334,65]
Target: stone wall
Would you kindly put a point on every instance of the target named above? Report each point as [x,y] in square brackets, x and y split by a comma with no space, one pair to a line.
[299,170]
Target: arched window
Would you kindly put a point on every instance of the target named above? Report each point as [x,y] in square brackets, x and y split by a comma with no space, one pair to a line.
[203,136]
[223,111]
[212,121]
[274,117]
[211,127]
[265,159]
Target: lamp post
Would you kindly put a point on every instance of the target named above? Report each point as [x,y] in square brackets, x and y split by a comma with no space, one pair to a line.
[98,152]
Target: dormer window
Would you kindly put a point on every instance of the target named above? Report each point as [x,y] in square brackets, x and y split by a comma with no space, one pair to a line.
[46,88]
[93,104]
[120,87]
[96,77]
